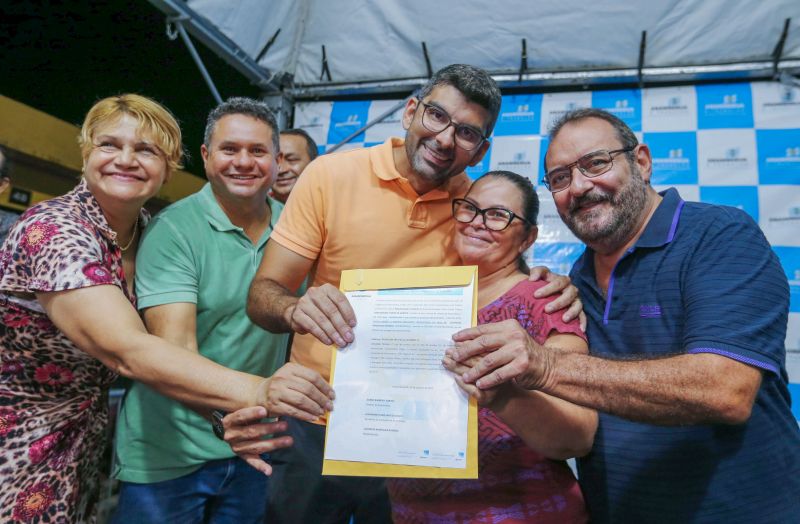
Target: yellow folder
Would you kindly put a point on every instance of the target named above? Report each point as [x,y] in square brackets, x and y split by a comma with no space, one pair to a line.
[400,278]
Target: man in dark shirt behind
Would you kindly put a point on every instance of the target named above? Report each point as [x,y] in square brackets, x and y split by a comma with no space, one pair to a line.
[687,310]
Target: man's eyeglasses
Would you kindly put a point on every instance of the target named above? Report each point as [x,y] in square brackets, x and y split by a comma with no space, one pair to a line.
[494,218]
[437,120]
[591,165]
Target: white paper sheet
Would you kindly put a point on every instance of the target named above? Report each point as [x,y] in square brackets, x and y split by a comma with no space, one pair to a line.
[395,402]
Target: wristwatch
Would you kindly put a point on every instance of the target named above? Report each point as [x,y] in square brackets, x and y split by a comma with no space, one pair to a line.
[216,423]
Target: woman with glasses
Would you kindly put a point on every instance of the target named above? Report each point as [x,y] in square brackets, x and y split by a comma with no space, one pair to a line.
[524,436]
[70,325]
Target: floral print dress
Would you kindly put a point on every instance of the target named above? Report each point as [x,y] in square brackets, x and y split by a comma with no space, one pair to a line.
[516,484]
[53,396]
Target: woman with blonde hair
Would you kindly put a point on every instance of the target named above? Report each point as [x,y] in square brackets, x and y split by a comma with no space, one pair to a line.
[70,326]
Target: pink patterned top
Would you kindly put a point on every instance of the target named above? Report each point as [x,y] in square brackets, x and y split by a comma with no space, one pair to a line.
[515,484]
[53,396]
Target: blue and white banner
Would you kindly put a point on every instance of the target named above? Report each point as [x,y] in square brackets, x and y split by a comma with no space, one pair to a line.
[736,144]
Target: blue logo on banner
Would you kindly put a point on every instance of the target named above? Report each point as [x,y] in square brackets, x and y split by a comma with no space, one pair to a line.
[724,106]
[519,115]
[742,197]
[625,104]
[778,156]
[674,157]
[481,167]
[558,256]
[346,118]
[790,260]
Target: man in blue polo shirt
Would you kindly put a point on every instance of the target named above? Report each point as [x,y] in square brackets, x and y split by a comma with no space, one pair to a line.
[687,308]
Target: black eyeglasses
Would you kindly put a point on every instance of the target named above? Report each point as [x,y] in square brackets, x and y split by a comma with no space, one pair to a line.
[494,218]
[436,119]
[591,165]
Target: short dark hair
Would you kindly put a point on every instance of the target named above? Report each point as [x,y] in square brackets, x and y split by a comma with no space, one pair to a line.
[5,165]
[624,133]
[474,83]
[242,106]
[311,146]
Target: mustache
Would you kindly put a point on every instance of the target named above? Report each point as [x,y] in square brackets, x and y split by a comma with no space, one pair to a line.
[588,199]
[433,145]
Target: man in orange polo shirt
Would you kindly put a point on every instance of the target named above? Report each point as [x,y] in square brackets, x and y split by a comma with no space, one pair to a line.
[384,206]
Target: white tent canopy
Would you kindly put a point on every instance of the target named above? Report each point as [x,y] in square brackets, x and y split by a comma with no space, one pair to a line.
[376,45]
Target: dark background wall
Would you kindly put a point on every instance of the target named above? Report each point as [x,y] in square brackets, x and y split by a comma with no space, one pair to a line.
[62,56]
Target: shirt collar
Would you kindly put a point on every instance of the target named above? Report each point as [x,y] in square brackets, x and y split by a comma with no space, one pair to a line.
[220,221]
[94,213]
[214,213]
[660,230]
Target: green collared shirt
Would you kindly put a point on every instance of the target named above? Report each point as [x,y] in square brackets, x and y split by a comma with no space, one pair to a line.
[191,252]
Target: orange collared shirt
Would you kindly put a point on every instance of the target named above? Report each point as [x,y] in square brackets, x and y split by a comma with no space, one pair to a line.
[353,210]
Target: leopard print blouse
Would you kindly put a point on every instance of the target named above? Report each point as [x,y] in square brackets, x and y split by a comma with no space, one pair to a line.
[53,396]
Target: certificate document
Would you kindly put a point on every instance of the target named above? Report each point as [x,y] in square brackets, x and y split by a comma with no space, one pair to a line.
[395,402]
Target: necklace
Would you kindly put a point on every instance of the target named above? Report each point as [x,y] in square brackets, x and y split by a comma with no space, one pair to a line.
[133,236]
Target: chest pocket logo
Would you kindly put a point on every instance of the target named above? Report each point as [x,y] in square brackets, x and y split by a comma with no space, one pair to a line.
[650,311]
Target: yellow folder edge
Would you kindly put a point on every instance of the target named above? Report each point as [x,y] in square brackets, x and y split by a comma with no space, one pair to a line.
[398,278]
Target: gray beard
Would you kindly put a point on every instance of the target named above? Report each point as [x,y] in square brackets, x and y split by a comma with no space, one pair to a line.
[627,207]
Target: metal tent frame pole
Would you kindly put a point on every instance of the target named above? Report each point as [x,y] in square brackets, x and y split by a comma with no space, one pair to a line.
[760,70]
[205,32]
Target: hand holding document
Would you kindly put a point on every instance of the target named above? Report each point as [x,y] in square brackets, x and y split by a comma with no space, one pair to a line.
[398,411]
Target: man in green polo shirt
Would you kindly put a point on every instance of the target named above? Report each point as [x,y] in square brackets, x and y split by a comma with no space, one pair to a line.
[194,267]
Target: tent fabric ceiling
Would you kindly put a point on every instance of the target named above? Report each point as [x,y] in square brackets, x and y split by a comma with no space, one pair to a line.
[368,41]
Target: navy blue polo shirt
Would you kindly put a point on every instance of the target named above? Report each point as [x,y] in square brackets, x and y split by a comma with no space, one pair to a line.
[701,279]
